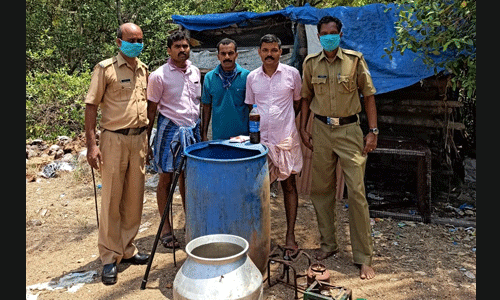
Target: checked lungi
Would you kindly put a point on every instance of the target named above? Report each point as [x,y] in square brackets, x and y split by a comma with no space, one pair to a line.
[168,132]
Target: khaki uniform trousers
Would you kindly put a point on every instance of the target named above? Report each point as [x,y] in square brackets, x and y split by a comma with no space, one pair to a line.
[122,173]
[344,143]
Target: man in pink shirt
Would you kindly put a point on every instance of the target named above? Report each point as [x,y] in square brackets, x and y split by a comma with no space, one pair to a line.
[275,88]
[175,90]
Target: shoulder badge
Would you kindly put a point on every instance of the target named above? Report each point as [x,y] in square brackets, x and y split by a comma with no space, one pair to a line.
[352,52]
[144,65]
[311,56]
[107,62]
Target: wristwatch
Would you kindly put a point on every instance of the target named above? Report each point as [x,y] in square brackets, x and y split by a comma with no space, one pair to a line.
[375,130]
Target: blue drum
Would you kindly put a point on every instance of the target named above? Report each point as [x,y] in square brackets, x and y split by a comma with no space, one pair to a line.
[227,192]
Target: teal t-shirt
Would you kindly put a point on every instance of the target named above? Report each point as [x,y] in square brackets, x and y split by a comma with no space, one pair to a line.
[229,111]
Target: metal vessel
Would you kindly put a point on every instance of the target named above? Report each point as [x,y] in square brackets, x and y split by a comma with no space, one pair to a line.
[227,191]
[218,267]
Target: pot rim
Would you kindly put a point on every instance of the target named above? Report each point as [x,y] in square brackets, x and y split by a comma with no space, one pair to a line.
[214,238]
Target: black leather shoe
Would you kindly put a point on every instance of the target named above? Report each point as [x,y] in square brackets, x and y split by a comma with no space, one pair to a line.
[109,274]
[138,259]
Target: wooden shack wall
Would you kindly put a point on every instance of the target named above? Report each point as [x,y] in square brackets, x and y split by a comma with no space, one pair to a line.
[427,112]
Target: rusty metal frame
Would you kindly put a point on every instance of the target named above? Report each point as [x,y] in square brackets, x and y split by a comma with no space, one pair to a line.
[279,251]
[424,174]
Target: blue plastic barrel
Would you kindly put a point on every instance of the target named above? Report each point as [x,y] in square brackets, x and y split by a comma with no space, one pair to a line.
[227,191]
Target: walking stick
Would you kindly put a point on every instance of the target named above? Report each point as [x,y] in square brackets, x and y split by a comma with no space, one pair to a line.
[177,173]
[95,197]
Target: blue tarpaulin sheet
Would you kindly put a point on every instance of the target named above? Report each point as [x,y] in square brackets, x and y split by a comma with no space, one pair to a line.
[367,29]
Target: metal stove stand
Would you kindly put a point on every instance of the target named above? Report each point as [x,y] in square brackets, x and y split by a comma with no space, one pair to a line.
[276,256]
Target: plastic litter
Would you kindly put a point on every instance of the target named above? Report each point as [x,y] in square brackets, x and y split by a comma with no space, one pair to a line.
[152,182]
[72,282]
[465,206]
[49,171]
[374,197]
[470,275]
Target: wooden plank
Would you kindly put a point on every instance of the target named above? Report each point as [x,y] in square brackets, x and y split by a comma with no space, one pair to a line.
[396,108]
[420,122]
[429,103]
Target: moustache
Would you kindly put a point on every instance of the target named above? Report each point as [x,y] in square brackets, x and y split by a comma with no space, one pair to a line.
[270,57]
[227,60]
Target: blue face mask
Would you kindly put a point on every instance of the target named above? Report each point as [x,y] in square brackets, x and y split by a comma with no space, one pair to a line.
[329,42]
[131,49]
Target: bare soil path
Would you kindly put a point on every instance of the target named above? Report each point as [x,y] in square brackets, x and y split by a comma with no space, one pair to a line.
[412,260]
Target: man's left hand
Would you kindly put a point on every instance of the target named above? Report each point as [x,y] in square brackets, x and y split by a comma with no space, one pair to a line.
[370,143]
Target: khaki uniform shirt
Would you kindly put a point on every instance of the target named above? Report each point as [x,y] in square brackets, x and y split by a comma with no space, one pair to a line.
[334,86]
[121,92]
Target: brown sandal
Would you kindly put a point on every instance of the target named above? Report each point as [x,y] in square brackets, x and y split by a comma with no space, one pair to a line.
[169,241]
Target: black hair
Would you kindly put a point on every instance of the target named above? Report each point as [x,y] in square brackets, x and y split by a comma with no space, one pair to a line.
[329,19]
[178,35]
[270,38]
[227,41]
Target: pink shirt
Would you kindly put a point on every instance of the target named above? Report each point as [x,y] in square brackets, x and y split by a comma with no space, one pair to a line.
[177,93]
[274,97]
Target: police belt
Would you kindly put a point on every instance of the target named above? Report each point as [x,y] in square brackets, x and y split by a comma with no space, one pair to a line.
[130,131]
[337,121]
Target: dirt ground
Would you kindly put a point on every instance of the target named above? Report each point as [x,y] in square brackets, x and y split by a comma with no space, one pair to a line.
[412,260]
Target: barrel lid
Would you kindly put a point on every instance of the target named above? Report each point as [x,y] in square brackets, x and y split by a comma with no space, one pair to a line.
[262,149]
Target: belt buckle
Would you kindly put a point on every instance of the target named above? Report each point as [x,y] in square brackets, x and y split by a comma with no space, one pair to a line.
[333,121]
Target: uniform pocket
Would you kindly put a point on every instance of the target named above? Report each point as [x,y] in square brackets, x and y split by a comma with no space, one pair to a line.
[347,84]
[122,91]
[319,84]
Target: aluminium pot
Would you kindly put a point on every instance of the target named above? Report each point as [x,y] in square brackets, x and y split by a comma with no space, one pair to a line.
[218,267]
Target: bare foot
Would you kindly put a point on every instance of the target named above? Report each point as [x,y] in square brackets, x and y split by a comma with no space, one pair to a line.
[291,247]
[291,252]
[366,272]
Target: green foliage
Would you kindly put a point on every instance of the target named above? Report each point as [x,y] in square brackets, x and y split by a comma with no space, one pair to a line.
[65,39]
[332,3]
[431,27]
[55,103]
[71,34]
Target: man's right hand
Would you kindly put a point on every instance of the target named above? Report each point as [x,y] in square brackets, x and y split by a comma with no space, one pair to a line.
[306,138]
[94,157]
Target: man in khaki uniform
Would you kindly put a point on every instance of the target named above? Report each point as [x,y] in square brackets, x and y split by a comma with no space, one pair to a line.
[332,80]
[118,85]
